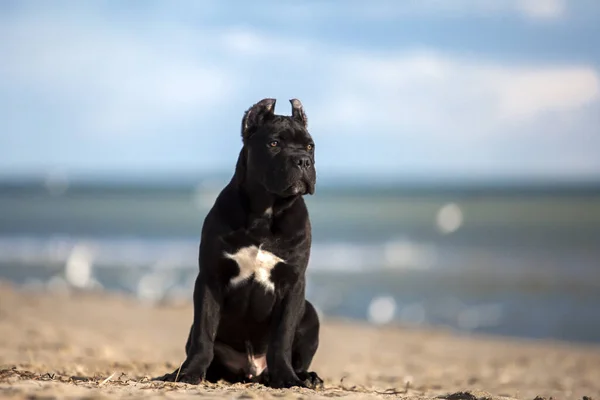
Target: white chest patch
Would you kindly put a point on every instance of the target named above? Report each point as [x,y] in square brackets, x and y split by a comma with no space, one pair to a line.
[254,260]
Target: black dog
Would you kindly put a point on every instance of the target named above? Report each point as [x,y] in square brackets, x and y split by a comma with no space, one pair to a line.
[251,319]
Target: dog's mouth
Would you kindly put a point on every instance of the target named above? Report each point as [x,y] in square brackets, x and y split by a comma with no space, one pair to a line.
[300,188]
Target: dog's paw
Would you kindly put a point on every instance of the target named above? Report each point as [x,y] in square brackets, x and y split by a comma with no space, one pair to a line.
[193,379]
[284,381]
[165,378]
[178,376]
[311,380]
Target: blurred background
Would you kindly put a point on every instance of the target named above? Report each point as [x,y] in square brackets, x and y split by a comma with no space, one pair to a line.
[458,150]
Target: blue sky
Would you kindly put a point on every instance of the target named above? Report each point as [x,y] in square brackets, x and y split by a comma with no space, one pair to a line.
[413,89]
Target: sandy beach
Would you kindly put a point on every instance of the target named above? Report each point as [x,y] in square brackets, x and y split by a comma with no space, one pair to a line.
[63,344]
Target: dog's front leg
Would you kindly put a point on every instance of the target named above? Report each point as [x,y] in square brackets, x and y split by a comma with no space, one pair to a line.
[207,313]
[279,355]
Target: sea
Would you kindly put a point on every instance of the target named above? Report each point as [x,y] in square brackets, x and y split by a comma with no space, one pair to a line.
[514,260]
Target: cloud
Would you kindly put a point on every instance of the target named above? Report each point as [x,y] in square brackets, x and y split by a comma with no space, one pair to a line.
[423,108]
[535,10]
[110,80]
[530,92]
[542,9]
[431,92]
[452,114]
[246,42]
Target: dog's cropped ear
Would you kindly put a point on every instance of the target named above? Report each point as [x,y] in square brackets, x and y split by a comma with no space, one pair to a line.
[256,115]
[298,112]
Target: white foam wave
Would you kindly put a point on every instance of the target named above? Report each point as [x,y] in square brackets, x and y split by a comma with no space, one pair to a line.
[183,253]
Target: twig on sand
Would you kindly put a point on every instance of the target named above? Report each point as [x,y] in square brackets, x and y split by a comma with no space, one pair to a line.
[391,391]
[362,389]
[107,379]
[178,370]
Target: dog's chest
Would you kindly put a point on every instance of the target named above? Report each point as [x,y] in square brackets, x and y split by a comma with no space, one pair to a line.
[254,262]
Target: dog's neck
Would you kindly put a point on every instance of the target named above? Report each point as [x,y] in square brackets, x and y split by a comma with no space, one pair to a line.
[260,202]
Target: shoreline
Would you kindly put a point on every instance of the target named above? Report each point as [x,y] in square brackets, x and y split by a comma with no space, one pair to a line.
[68,344]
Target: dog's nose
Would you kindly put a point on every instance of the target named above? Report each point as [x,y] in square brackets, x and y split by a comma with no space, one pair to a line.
[303,162]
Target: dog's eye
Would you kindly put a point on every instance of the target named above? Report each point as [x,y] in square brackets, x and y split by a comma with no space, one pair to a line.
[274,143]
[310,147]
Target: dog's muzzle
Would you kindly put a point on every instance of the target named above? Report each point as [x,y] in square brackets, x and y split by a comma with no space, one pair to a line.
[305,184]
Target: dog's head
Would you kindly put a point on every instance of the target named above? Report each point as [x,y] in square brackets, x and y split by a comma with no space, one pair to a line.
[279,153]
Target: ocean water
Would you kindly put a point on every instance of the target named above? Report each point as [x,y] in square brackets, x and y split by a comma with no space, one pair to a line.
[510,261]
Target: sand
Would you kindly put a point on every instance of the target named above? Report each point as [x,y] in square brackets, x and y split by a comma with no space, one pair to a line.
[64,344]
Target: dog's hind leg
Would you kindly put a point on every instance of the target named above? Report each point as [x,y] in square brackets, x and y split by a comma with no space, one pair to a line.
[306,342]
